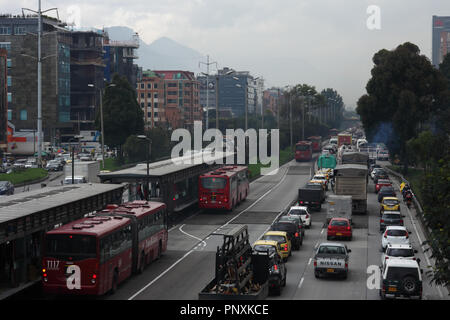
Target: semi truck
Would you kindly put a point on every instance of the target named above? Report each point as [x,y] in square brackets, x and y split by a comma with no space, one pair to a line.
[311,196]
[351,180]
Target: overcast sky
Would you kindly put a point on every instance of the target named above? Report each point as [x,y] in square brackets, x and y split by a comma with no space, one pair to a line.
[325,43]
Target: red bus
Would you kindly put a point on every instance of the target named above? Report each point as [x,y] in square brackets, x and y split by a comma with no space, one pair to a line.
[316,143]
[92,255]
[303,151]
[223,188]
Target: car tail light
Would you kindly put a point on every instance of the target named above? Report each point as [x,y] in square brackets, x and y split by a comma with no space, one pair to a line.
[286,248]
[349,228]
[225,199]
[401,221]
[381,221]
[407,235]
[315,263]
[296,234]
[301,202]
[307,216]
[385,235]
[385,258]
[346,265]
[414,258]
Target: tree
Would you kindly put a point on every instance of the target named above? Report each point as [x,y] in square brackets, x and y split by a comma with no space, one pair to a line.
[401,95]
[122,115]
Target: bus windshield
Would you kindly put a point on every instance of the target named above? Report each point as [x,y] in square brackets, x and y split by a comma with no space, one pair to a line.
[76,247]
[302,148]
[214,183]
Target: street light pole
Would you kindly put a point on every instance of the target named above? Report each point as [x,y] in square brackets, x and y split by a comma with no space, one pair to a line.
[149,145]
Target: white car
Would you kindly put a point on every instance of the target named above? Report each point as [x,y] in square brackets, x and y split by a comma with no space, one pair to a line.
[372,174]
[303,213]
[394,235]
[400,251]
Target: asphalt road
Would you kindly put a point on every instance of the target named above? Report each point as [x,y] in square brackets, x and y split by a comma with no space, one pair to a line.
[188,264]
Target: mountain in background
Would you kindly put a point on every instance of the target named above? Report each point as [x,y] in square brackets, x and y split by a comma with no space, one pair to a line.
[162,54]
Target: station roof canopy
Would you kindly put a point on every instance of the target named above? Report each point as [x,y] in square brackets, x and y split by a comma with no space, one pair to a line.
[27,203]
[167,167]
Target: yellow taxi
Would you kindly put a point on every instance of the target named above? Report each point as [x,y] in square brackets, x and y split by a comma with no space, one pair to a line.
[318,177]
[282,239]
[318,182]
[390,204]
[267,245]
[325,171]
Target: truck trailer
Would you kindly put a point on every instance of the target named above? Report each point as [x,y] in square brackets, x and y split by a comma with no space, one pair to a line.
[351,180]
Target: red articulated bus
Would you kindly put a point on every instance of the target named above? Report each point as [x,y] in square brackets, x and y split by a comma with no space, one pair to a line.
[316,143]
[303,151]
[92,255]
[223,188]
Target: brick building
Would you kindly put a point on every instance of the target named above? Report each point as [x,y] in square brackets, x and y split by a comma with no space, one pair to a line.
[150,95]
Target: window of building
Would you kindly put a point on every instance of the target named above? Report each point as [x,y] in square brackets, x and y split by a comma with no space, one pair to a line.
[142,86]
[23,115]
[19,30]
[9,81]
[155,104]
[149,85]
[142,95]
[9,97]
[172,93]
[149,95]
[149,104]
[172,85]
[142,104]
[155,114]
[8,63]
[149,114]
[5,30]
[155,86]
[155,96]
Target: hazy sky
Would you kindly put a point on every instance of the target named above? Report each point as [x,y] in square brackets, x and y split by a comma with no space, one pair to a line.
[325,43]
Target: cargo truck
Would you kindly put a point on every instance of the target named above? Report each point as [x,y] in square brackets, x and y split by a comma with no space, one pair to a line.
[351,180]
[344,138]
[311,196]
[87,169]
[355,158]
[339,207]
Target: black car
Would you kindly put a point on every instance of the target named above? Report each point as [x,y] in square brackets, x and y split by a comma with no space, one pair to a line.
[296,219]
[387,191]
[277,271]
[293,231]
[6,188]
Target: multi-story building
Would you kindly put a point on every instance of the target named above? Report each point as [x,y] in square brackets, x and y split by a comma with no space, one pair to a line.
[86,78]
[150,95]
[3,100]
[119,58]
[271,100]
[441,39]
[18,35]
[182,98]
[234,89]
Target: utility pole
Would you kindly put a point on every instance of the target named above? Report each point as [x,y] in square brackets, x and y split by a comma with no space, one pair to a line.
[207,88]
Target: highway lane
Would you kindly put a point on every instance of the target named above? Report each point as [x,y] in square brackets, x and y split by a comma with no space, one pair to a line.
[188,265]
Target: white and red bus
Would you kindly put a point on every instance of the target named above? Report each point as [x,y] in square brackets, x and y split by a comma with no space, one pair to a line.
[316,142]
[92,255]
[303,151]
[223,188]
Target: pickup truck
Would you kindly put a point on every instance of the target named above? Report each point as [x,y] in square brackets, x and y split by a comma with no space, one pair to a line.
[331,258]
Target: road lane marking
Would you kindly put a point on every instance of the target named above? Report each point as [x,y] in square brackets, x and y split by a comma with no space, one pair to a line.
[301,282]
[192,236]
[190,251]
[309,262]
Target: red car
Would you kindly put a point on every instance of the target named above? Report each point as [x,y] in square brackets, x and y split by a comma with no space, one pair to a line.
[382,183]
[339,228]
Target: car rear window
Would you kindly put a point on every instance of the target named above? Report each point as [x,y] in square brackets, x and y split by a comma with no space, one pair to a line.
[339,223]
[279,239]
[286,226]
[392,216]
[397,252]
[398,273]
[332,250]
[396,233]
[297,212]
[391,202]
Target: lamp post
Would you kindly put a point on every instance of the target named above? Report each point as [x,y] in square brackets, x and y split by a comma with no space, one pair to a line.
[101,120]
[207,87]
[39,77]
[149,146]
[73,156]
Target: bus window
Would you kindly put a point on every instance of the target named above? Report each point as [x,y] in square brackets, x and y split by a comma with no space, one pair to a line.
[214,183]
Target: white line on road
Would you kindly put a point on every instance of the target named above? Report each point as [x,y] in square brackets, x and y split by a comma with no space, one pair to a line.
[190,251]
[301,282]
